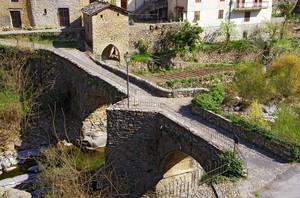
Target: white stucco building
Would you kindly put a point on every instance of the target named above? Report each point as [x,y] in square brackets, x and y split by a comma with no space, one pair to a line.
[209,14]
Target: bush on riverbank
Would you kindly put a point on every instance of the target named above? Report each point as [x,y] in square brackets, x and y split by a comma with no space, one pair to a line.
[15,102]
[69,171]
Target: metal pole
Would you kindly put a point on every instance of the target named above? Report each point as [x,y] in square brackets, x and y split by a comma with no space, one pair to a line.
[127,71]
[230,7]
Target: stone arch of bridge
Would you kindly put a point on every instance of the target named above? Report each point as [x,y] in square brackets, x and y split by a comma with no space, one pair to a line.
[111,52]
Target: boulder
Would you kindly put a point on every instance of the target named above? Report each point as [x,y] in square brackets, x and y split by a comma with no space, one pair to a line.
[14,193]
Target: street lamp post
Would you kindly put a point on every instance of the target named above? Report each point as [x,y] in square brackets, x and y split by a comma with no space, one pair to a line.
[127,59]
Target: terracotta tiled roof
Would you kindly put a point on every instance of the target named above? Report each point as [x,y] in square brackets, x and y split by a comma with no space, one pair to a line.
[99,6]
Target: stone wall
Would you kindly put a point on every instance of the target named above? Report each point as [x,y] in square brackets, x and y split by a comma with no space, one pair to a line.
[281,150]
[139,143]
[216,57]
[151,33]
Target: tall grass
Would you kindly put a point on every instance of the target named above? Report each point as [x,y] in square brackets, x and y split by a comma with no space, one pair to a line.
[13,103]
[287,125]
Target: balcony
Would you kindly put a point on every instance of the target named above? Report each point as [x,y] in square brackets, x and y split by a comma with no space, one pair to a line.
[248,6]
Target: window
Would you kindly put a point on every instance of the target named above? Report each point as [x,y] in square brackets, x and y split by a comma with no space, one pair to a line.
[196,16]
[247,16]
[197,1]
[45,12]
[14,0]
[221,14]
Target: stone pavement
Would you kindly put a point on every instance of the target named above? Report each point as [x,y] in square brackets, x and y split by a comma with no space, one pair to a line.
[261,169]
[286,185]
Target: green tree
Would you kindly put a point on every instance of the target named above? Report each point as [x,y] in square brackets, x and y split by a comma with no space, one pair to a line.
[227,28]
[251,83]
[187,37]
[265,39]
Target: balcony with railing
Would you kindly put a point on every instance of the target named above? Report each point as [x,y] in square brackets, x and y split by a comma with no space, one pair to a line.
[245,6]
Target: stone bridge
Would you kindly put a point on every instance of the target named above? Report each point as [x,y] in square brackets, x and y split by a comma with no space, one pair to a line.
[148,138]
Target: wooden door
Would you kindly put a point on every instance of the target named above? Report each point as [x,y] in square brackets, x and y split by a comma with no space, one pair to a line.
[64,17]
[16,19]
[124,4]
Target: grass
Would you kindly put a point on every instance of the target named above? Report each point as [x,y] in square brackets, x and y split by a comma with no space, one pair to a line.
[10,100]
[141,58]
[49,39]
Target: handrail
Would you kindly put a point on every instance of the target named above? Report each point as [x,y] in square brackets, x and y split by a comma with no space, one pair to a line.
[240,5]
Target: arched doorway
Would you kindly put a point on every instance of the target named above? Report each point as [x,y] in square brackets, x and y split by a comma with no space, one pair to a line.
[111,52]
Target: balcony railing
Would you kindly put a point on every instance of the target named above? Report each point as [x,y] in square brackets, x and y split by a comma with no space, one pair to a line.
[251,5]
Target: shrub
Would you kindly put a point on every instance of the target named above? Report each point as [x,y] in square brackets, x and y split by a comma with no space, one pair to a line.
[68,171]
[287,125]
[255,114]
[251,83]
[235,165]
[141,58]
[143,46]
[285,72]
[187,37]
[212,100]
[227,29]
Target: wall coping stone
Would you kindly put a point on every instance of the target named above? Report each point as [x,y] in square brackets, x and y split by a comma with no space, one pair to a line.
[149,86]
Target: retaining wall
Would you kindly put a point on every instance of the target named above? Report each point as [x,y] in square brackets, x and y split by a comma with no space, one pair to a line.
[282,150]
[151,87]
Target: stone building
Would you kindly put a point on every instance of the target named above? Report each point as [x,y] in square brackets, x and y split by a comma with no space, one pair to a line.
[41,13]
[56,13]
[13,13]
[106,30]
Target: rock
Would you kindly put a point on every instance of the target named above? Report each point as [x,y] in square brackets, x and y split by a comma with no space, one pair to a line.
[5,163]
[271,109]
[14,193]
[10,168]
[2,190]
[25,154]
[34,169]
[95,141]
[65,143]
[21,179]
